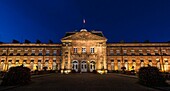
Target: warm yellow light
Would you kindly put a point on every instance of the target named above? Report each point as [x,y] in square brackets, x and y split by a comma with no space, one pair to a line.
[100,71]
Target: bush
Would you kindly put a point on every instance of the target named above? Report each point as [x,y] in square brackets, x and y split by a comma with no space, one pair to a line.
[150,76]
[17,76]
[73,71]
[94,71]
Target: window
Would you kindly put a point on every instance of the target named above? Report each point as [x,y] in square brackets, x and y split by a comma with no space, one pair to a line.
[142,63]
[112,65]
[75,50]
[148,52]
[132,52]
[140,52]
[158,65]
[54,52]
[3,53]
[119,65]
[111,52]
[150,62]
[26,53]
[33,53]
[83,50]
[18,52]
[164,52]
[166,65]
[40,53]
[156,52]
[47,52]
[124,52]
[118,52]
[11,52]
[92,50]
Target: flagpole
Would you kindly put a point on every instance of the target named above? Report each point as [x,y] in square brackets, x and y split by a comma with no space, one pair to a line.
[84,22]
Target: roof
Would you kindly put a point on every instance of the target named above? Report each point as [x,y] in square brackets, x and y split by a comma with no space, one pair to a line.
[69,33]
[99,33]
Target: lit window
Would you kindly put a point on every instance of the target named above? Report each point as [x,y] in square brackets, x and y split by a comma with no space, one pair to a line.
[148,52]
[3,52]
[118,52]
[26,53]
[40,53]
[140,52]
[142,63]
[132,52]
[33,53]
[150,62]
[75,50]
[156,52]
[83,50]
[92,50]
[111,52]
[47,52]
[164,52]
[11,52]
[18,52]
[54,52]
[124,52]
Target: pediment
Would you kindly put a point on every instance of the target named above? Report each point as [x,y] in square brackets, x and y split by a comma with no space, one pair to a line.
[84,35]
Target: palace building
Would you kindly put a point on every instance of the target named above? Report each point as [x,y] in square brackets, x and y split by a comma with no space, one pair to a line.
[85,51]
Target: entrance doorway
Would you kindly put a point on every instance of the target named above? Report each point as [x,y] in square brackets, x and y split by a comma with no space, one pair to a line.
[92,66]
[75,65]
[83,66]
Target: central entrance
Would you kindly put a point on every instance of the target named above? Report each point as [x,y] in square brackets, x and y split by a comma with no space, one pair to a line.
[83,66]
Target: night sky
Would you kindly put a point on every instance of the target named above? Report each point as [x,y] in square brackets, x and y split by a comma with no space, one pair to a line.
[128,20]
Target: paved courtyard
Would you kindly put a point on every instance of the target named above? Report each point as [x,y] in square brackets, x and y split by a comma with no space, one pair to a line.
[83,82]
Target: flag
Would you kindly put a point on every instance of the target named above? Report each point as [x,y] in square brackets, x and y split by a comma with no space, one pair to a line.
[84,21]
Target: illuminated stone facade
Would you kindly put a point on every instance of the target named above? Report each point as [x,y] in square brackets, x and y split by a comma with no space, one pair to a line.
[85,51]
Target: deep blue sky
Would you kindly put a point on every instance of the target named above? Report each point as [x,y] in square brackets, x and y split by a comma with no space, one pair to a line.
[127,20]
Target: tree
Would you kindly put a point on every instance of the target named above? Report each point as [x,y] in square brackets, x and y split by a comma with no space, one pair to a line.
[1,42]
[27,41]
[50,42]
[38,41]
[122,41]
[15,41]
[135,41]
[123,69]
[146,41]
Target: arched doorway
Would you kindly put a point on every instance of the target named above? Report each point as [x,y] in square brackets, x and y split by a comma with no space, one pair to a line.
[92,66]
[75,65]
[83,66]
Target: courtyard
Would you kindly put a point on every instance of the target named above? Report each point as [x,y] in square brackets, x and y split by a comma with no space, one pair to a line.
[83,82]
